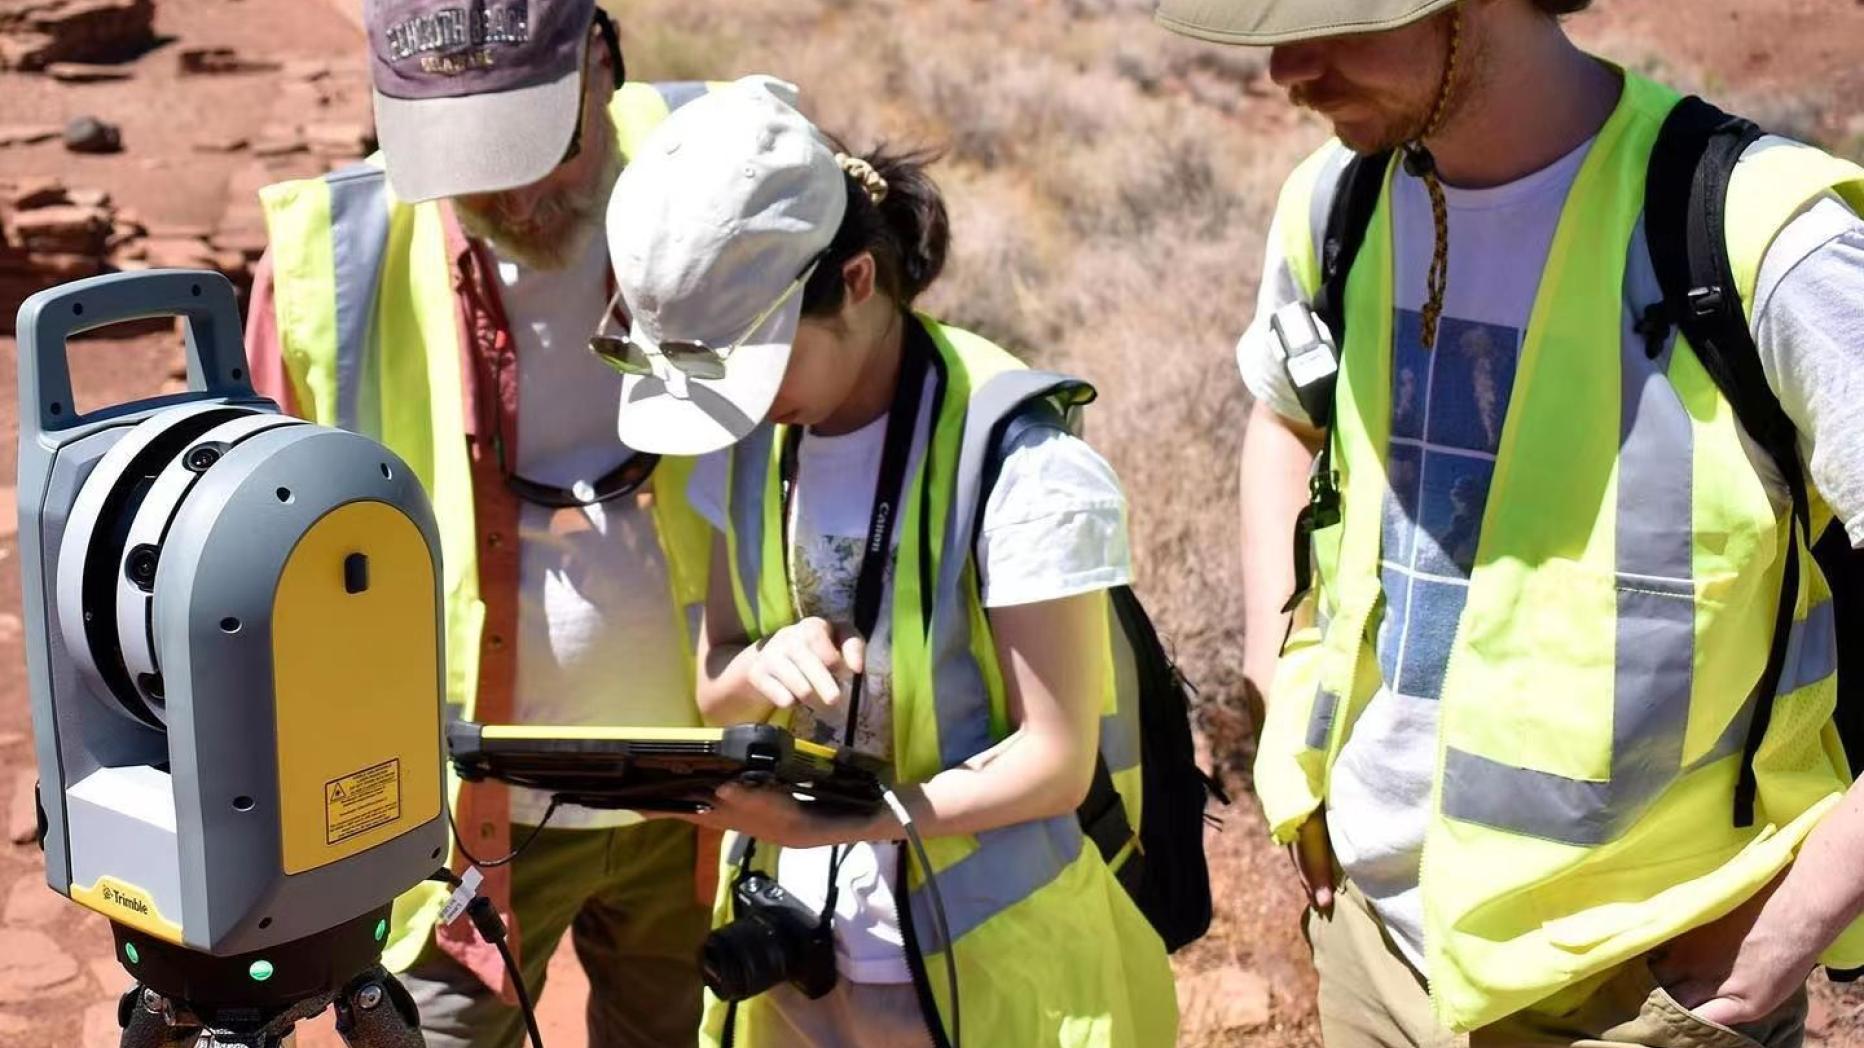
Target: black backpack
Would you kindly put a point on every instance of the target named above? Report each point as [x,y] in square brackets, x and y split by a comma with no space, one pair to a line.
[1685,205]
[1166,873]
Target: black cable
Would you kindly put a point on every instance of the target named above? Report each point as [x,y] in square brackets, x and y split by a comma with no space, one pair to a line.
[524,996]
[459,840]
[898,808]
[492,929]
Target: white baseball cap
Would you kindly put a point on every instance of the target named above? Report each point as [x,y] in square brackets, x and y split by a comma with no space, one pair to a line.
[713,227]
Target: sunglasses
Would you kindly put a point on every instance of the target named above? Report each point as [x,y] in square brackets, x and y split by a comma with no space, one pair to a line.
[692,357]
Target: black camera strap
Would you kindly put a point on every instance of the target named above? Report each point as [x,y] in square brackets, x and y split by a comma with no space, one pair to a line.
[889,497]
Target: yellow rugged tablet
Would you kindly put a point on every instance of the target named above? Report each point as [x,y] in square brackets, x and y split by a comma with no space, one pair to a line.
[663,769]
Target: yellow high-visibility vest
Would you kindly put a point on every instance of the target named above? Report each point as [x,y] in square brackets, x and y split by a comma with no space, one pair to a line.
[1620,612]
[1051,950]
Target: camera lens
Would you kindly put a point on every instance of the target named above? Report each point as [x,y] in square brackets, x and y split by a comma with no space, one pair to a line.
[745,958]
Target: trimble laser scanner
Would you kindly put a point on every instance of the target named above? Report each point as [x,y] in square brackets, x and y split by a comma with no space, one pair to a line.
[233,638]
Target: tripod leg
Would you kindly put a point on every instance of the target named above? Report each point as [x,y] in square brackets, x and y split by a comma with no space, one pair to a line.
[376,1011]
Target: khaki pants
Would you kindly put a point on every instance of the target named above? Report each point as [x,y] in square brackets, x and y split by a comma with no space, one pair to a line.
[1371,998]
[626,898]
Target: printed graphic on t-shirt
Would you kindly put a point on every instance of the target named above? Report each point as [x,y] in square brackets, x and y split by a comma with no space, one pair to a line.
[823,574]
[1448,407]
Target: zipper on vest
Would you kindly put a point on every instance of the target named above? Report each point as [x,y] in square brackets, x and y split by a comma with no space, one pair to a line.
[915,958]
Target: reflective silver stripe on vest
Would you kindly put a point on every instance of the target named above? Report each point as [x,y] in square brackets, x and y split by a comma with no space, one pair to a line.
[750,473]
[676,93]
[1010,865]
[1014,862]
[1320,719]
[1656,636]
[358,241]
[1811,649]
[1119,730]
[963,704]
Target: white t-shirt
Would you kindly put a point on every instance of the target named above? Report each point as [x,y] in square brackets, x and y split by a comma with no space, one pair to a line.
[1448,406]
[599,641]
[1053,527]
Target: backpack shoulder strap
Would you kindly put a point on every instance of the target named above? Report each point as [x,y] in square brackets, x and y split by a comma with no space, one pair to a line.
[1349,215]
[1685,218]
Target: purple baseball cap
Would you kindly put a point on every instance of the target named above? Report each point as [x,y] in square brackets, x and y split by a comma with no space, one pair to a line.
[475,96]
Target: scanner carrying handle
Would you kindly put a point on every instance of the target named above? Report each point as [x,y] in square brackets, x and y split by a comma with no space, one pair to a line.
[215,354]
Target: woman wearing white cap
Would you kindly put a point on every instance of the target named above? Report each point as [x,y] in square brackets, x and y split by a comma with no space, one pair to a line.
[870,584]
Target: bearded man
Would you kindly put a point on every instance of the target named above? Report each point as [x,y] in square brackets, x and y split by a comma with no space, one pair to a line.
[440,298]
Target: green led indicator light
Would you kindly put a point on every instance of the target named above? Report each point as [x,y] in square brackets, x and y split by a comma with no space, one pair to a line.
[381,930]
[260,971]
[130,951]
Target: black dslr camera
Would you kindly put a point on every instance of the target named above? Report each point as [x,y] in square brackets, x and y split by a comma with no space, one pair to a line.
[774,939]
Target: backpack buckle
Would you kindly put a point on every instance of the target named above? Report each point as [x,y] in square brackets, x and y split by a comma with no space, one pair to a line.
[1309,355]
[1323,491]
[1704,300]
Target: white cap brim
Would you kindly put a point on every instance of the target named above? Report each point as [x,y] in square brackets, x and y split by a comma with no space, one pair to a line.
[671,413]
[486,143]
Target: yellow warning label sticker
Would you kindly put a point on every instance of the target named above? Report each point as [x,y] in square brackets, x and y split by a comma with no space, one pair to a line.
[362,801]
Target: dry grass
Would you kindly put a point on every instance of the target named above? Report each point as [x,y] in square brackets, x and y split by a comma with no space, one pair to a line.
[1110,185]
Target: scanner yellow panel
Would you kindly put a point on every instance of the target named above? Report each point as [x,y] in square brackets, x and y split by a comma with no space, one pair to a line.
[127,905]
[356,680]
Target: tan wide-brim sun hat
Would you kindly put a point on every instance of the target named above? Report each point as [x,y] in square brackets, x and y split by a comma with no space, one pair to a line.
[1267,23]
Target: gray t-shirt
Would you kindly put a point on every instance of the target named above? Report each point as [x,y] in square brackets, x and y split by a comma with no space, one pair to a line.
[1448,407]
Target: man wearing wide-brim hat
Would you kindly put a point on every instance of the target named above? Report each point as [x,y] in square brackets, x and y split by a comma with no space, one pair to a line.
[1552,738]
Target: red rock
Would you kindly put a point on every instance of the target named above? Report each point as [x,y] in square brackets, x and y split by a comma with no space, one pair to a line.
[177,253]
[230,144]
[64,267]
[31,904]
[279,146]
[111,976]
[100,1025]
[33,966]
[63,228]
[86,73]
[178,231]
[80,31]
[27,51]
[339,139]
[89,197]
[305,69]
[23,807]
[122,234]
[28,134]
[248,244]
[37,192]
[211,61]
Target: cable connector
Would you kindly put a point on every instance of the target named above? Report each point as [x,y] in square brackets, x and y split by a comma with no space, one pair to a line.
[465,893]
[486,919]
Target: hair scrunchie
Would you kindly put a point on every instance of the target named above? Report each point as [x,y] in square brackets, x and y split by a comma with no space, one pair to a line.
[863,172]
